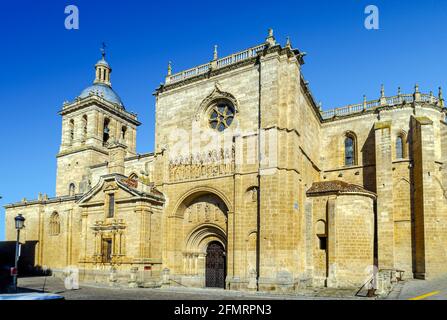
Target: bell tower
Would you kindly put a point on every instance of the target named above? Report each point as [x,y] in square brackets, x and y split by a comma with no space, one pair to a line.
[103,70]
[96,119]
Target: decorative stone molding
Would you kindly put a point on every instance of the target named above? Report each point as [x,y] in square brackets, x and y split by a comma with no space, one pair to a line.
[215,95]
[202,165]
[114,225]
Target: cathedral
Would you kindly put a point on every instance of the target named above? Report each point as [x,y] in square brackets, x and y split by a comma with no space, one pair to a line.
[250,186]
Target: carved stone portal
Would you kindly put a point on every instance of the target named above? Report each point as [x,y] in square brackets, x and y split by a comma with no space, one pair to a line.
[205,221]
[206,209]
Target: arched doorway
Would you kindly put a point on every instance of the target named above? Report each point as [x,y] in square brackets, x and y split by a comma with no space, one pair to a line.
[215,265]
[203,220]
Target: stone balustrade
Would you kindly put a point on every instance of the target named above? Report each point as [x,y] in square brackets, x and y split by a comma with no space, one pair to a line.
[215,64]
[382,102]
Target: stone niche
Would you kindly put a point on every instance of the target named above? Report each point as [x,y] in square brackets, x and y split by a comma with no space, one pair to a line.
[340,229]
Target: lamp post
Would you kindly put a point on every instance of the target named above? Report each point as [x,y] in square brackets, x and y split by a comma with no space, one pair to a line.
[20,224]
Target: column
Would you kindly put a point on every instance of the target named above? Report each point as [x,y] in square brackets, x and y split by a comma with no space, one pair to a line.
[430,221]
[100,125]
[65,139]
[92,128]
[384,181]
[331,243]
[134,140]
[69,215]
[117,130]
[78,131]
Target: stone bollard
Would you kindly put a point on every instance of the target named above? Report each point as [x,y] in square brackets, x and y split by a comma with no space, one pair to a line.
[112,277]
[133,278]
[165,281]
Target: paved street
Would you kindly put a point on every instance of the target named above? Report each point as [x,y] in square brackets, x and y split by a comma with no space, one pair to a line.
[409,290]
[421,290]
[101,292]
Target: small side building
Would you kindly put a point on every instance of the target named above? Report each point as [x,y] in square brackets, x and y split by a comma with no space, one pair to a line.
[340,234]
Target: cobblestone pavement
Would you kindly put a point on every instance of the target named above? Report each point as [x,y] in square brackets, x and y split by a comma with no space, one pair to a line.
[435,289]
[103,292]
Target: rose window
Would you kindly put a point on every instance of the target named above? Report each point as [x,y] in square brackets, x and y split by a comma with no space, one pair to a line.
[221,116]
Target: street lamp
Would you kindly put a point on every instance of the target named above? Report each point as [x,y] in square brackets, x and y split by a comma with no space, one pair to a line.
[20,224]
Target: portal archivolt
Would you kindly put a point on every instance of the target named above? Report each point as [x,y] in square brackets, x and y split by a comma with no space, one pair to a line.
[204,224]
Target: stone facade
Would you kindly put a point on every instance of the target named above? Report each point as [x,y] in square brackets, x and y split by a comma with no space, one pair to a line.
[245,161]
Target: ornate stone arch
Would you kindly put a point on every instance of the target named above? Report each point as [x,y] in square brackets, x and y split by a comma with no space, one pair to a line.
[197,241]
[215,95]
[189,196]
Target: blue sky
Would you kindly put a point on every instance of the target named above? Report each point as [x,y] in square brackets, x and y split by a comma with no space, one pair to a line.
[42,64]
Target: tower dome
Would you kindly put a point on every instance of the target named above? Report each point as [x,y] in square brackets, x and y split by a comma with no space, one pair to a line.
[103,91]
[102,85]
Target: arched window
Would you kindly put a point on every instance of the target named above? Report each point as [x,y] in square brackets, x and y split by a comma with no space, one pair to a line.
[72,189]
[321,231]
[123,133]
[111,206]
[85,123]
[400,147]
[350,150]
[71,129]
[55,224]
[106,131]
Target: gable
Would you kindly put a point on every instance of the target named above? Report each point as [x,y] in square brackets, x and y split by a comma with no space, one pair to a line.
[116,184]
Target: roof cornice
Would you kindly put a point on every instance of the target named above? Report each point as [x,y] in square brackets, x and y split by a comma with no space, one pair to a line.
[102,103]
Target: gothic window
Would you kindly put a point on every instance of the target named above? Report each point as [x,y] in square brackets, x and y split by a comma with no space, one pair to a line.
[106,131]
[400,147]
[71,128]
[350,149]
[72,189]
[55,224]
[111,208]
[221,116]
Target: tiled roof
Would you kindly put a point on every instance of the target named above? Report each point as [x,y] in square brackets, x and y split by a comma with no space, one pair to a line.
[336,186]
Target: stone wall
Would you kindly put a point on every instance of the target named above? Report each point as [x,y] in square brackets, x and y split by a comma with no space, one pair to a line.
[351,242]
[247,187]
[54,250]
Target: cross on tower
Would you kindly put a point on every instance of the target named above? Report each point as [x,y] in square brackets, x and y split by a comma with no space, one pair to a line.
[103,50]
